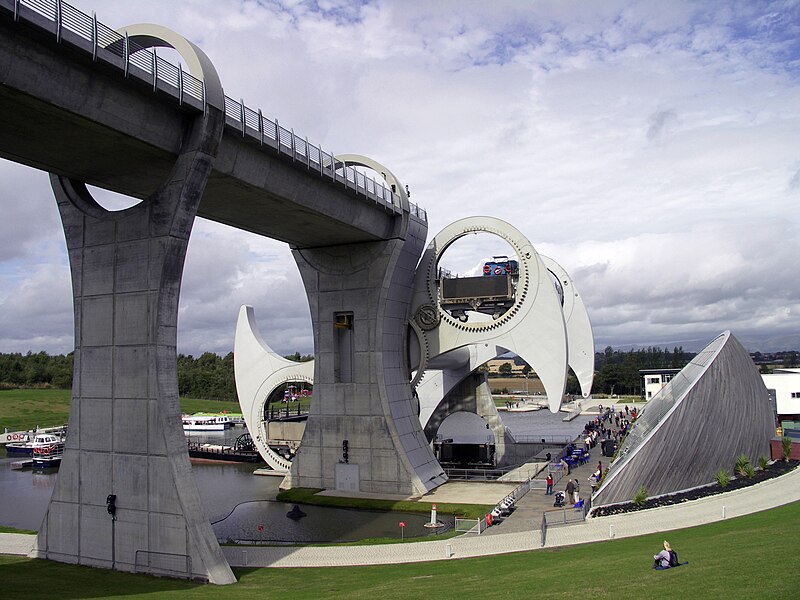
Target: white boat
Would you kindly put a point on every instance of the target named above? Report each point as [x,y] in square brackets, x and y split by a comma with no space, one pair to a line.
[40,440]
[226,420]
[47,450]
[194,423]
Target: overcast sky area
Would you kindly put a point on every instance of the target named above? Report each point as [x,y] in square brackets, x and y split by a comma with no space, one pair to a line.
[651,148]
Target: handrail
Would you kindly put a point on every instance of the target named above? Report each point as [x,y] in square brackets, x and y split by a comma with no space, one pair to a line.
[145,64]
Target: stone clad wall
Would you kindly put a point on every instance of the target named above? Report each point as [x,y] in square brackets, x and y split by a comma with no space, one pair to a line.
[725,413]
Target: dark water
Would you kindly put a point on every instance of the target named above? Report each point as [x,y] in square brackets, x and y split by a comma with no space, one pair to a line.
[241,505]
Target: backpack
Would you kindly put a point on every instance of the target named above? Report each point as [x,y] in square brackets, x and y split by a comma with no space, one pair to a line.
[673,558]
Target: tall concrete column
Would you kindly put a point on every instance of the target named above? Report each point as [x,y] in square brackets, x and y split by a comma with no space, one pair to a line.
[363,433]
[125,436]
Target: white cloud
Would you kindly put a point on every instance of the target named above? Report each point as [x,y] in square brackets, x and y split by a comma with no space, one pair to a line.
[650,148]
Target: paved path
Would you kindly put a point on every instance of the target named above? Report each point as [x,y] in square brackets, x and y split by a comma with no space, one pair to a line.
[762,496]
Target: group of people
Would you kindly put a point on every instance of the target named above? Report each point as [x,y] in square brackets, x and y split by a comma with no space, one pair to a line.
[609,427]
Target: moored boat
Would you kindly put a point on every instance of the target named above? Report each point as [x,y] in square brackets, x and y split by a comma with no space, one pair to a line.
[195,423]
[39,440]
[47,450]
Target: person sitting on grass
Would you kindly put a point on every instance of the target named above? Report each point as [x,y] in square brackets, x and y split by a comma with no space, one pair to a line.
[666,559]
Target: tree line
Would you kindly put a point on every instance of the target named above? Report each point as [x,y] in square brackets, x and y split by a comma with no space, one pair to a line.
[617,372]
[209,376]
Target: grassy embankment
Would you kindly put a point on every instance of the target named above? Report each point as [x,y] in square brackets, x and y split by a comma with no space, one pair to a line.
[307,496]
[737,558]
[29,408]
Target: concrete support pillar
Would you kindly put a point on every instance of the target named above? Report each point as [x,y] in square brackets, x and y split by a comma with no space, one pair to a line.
[125,436]
[473,395]
[363,433]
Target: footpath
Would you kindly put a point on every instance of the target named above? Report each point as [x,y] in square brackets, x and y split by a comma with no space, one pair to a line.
[518,533]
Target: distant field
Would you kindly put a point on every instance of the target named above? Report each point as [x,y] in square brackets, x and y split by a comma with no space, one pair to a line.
[515,383]
[26,409]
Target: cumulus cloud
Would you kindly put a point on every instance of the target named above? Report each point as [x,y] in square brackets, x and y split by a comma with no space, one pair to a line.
[649,148]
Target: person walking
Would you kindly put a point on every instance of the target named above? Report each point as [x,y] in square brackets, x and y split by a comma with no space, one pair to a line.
[549,481]
[570,489]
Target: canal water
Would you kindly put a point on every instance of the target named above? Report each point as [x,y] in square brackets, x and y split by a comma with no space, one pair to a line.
[242,506]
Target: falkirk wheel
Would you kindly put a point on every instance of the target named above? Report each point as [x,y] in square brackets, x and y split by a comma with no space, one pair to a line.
[532,309]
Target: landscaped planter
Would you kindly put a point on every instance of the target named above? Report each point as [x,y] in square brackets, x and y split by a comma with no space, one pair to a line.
[773,470]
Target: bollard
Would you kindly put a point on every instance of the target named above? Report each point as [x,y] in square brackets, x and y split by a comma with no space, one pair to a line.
[448,551]
[611,531]
[244,557]
[723,511]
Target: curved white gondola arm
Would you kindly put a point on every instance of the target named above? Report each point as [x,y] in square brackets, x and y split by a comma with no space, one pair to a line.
[259,370]
[533,328]
[579,328]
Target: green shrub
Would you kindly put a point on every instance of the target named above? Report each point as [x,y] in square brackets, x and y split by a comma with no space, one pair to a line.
[762,462]
[749,471]
[723,478]
[640,497]
[787,448]
[742,461]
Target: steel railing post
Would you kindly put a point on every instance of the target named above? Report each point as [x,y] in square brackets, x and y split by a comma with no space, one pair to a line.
[180,84]
[126,52]
[58,21]
[94,37]
[155,70]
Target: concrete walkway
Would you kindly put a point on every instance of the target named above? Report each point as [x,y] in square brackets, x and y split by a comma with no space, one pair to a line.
[768,494]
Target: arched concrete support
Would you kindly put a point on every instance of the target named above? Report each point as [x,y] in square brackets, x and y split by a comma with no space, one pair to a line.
[259,371]
[359,160]
[150,35]
[125,435]
[580,339]
[359,297]
[471,394]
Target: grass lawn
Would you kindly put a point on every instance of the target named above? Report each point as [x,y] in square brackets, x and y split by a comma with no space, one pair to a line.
[748,557]
[308,496]
[26,409]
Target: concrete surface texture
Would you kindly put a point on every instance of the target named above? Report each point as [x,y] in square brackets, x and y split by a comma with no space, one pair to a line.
[128,137]
[125,497]
[125,439]
[363,434]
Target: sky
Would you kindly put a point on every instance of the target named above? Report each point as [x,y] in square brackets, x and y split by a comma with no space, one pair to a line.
[650,148]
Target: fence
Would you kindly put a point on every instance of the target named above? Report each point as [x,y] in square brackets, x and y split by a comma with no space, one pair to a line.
[569,515]
[476,526]
[145,64]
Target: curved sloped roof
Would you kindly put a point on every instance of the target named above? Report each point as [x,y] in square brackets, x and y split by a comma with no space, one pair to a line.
[713,410]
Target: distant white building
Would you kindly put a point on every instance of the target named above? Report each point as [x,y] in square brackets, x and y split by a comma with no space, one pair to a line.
[655,379]
[785,385]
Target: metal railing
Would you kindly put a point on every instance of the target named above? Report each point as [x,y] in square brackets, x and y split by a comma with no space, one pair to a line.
[476,474]
[569,515]
[476,526]
[145,64]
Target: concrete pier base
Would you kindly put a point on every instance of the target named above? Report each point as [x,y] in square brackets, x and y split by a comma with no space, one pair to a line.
[126,453]
[363,433]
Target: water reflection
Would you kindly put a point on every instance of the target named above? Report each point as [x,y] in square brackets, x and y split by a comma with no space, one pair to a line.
[266,522]
[227,488]
[242,505]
